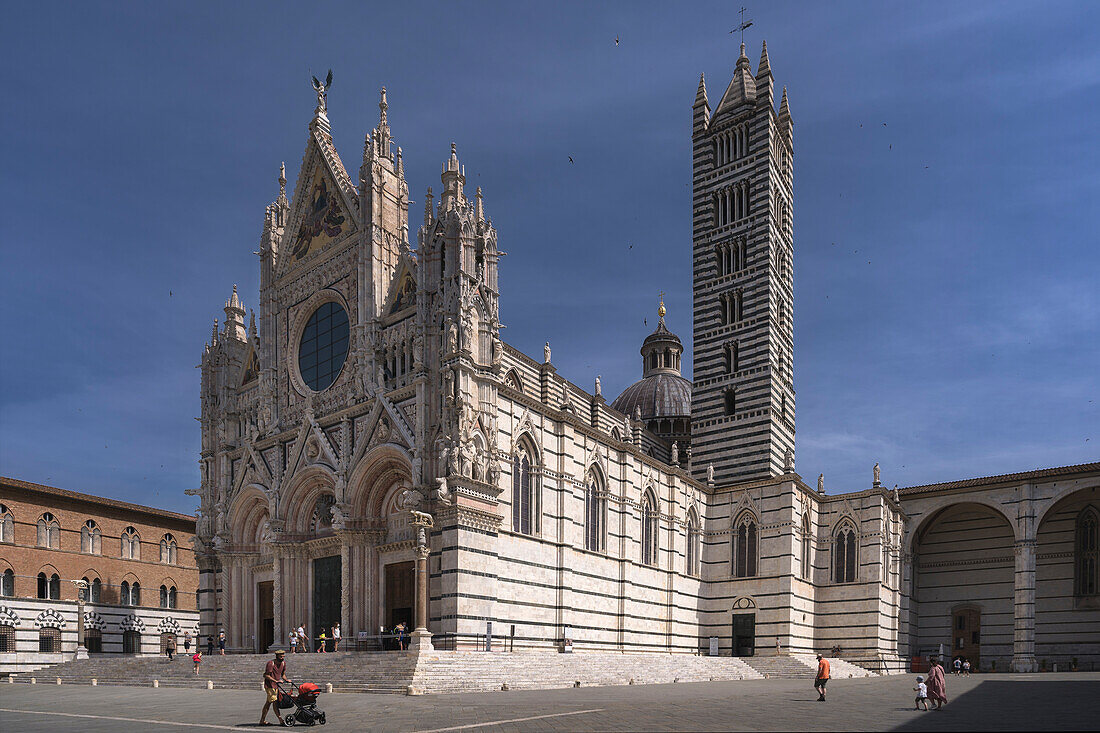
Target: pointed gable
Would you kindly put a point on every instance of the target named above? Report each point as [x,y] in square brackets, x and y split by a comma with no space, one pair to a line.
[402,293]
[325,205]
[251,367]
[742,88]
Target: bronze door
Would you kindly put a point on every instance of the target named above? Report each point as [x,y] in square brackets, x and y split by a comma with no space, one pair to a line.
[400,589]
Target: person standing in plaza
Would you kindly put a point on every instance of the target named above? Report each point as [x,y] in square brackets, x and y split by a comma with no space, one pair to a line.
[274,673]
[937,685]
[966,668]
[221,642]
[822,677]
[958,663]
[210,646]
[336,638]
[187,642]
[294,641]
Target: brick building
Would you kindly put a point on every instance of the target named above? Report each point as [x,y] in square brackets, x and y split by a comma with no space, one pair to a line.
[137,561]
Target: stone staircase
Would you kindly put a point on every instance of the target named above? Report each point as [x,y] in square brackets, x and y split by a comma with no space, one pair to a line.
[838,668]
[395,672]
[787,667]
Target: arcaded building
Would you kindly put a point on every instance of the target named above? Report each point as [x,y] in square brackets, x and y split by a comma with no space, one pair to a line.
[134,564]
[372,381]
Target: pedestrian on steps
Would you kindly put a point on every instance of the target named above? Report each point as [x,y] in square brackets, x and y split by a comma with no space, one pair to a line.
[822,677]
[294,641]
[197,659]
[221,642]
[210,646]
[322,639]
[170,647]
[187,643]
[336,638]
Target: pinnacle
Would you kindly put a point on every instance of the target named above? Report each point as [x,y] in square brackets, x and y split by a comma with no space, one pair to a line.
[784,108]
[765,67]
[701,94]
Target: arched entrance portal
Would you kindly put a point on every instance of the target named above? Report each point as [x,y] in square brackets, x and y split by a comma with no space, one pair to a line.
[964,586]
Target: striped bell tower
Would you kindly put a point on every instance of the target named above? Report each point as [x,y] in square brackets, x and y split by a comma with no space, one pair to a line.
[742,404]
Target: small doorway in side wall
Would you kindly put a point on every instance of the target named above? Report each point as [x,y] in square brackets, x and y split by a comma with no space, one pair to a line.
[744,634]
[966,636]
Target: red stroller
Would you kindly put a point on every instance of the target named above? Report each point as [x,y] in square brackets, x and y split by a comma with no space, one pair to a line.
[304,702]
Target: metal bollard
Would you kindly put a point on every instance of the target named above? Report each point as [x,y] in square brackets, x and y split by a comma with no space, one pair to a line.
[156,683]
[210,684]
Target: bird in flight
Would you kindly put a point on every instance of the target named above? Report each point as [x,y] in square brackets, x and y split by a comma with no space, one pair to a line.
[570,158]
[616,40]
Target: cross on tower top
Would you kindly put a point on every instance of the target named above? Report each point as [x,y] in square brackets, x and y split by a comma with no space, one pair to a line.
[744,24]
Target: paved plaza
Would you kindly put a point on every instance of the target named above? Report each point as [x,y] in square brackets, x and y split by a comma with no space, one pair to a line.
[990,702]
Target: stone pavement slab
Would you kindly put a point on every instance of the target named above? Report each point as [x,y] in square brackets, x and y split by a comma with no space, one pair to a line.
[1061,702]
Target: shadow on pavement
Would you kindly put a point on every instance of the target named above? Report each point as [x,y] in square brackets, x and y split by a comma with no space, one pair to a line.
[1016,705]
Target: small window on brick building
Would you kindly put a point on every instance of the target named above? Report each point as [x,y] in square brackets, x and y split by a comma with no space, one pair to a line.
[7,525]
[49,640]
[7,584]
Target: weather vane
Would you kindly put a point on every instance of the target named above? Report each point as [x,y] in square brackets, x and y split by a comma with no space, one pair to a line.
[744,24]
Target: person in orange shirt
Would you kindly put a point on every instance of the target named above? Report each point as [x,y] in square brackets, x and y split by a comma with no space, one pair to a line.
[822,677]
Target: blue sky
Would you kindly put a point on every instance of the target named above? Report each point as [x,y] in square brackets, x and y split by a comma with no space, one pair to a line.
[947,273]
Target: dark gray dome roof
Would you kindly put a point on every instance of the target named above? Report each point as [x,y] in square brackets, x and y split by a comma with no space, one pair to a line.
[664,394]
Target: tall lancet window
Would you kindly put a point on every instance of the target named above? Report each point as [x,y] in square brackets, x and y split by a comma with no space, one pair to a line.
[1087,553]
[693,543]
[845,554]
[524,492]
[595,514]
[649,529]
[807,547]
[744,545]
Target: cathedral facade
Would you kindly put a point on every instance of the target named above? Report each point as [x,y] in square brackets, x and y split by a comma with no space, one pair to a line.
[370,426]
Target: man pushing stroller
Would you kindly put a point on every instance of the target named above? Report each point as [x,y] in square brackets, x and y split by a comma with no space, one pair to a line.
[274,673]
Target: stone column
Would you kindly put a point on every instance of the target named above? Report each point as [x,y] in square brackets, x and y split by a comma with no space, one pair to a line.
[280,633]
[421,638]
[345,586]
[1023,648]
[81,591]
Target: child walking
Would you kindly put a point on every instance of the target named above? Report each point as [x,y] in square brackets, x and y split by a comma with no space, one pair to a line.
[922,694]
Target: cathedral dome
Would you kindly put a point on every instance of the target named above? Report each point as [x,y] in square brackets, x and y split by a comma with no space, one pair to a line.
[661,392]
[656,396]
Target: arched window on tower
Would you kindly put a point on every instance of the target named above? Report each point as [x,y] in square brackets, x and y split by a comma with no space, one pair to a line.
[731,401]
[649,529]
[845,554]
[95,591]
[744,545]
[595,513]
[733,357]
[1087,553]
